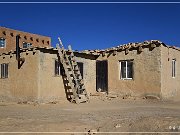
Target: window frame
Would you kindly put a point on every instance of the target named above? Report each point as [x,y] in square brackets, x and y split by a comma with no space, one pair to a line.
[4,42]
[79,64]
[28,45]
[173,68]
[120,69]
[4,70]
[57,70]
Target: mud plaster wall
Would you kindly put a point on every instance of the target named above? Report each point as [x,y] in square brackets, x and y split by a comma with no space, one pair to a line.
[89,73]
[21,84]
[25,37]
[170,89]
[146,76]
[51,87]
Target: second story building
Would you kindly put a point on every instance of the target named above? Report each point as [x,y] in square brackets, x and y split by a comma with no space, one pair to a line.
[8,40]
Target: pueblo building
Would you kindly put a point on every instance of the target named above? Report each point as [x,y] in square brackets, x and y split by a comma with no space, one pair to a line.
[30,69]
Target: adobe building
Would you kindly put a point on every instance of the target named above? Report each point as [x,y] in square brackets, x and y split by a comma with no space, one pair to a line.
[134,69]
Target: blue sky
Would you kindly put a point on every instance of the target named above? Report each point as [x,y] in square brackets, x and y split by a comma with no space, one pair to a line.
[96,26]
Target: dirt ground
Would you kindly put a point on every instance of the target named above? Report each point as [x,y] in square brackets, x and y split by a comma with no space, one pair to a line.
[100,116]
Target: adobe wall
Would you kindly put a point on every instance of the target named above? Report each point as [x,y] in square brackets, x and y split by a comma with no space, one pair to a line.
[89,72]
[10,36]
[170,89]
[22,83]
[51,87]
[146,77]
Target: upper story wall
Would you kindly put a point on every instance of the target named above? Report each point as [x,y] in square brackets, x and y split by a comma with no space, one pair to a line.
[10,39]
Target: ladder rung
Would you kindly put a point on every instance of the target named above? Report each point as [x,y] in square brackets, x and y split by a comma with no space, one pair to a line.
[81,89]
[81,84]
[69,67]
[78,79]
[73,80]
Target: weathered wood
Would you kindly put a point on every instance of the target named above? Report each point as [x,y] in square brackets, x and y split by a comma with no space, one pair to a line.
[126,51]
[114,52]
[103,53]
[153,45]
[140,49]
[72,72]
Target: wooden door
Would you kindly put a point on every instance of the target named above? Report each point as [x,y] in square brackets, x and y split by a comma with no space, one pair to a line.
[102,76]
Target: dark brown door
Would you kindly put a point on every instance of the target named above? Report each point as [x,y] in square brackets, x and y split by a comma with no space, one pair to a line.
[102,76]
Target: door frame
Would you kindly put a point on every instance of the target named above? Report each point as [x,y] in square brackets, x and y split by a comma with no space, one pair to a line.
[106,75]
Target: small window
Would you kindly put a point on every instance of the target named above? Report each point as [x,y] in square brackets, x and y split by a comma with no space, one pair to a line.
[57,68]
[4,70]
[2,42]
[173,68]
[80,66]
[26,45]
[126,69]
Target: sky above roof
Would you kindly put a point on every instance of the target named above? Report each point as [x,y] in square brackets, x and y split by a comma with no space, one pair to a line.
[96,26]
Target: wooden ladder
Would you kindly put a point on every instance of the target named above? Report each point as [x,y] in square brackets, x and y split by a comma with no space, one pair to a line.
[73,77]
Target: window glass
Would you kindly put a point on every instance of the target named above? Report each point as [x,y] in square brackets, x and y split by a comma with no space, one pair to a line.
[126,69]
[80,66]
[26,45]
[123,69]
[129,69]
[173,68]
[4,70]
[57,68]
[2,42]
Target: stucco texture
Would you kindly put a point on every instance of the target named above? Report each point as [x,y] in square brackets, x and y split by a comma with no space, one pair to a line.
[21,83]
[146,72]
[170,88]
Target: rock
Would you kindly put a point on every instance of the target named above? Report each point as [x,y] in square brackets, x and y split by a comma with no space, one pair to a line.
[117,126]
[92,131]
[151,97]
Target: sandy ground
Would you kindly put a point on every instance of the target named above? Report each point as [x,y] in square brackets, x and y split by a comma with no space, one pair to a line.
[100,115]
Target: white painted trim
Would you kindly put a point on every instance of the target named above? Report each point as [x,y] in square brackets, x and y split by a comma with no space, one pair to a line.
[173,68]
[126,71]
[4,42]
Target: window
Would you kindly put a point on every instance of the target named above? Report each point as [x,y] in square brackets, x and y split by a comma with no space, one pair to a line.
[126,71]
[4,70]
[26,45]
[57,68]
[2,42]
[80,66]
[173,68]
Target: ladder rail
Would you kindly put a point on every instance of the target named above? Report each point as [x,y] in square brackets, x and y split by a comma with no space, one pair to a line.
[67,73]
[75,78]
[80,76]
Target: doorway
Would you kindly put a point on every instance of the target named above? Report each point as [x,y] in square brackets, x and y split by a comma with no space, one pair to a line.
[102,76]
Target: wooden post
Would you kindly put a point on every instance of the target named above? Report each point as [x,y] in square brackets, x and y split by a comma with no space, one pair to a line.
[126,51]
[140,49]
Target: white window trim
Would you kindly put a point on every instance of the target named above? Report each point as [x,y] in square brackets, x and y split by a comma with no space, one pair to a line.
[173,68]
[126,71]
[4,42]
